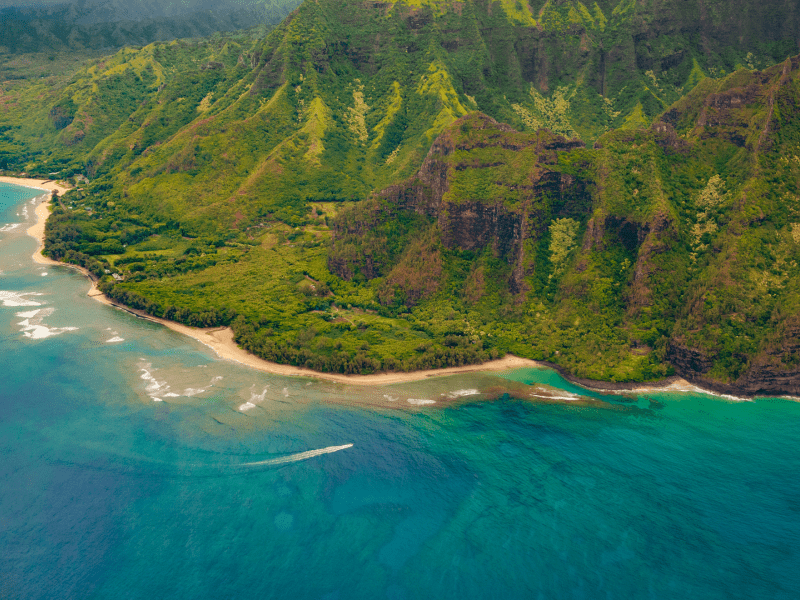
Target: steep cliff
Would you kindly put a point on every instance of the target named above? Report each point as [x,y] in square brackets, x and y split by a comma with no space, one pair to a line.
[680,242]
[252,171]
[484,185]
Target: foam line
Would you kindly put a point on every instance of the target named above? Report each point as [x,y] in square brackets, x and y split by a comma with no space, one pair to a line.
[297,457]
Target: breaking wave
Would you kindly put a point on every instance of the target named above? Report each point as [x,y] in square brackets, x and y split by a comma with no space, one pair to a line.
[33,327]
[14,299]
[461,393]
[421,401]
[154,388]
[255,400]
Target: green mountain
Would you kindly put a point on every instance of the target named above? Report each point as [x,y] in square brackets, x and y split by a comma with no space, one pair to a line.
[86,25]
[238,182]
[674,247]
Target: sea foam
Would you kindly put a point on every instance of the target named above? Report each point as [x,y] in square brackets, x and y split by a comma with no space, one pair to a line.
[160,389]
[32,325]
[255,400]
[461,393]
[14,299]
[560,395]
[421,401]
[154,388]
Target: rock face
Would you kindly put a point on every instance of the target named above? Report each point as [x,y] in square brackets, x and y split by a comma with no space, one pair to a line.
[699,278]
[474,217]
[774,371]
[675,236]
[483,185]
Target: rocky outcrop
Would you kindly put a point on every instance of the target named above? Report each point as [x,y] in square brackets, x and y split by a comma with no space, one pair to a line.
[651,239]
[474,222]
[774,371]
[520,191]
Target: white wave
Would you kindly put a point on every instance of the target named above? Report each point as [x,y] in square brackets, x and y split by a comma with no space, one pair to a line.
[285,392]
[160,389]
[561,395]
[44,274]
[390,398]
[733,398]
[298,457]
[189,392]
[154,388]
[115,339]
[461,393]
[255,399]
[570,398]
[18,298]
[32,325]
[421,401]
[698,390]
[9,227]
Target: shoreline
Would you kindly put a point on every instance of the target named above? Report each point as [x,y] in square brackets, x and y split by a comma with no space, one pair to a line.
[47,185]
[221,341]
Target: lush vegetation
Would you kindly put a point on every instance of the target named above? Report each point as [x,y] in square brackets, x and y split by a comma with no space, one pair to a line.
[237,181]
[73,26]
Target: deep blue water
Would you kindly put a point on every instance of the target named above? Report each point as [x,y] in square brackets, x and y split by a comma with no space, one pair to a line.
[124,474]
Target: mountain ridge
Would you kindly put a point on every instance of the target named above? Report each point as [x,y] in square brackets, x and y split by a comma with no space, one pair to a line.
[242,168]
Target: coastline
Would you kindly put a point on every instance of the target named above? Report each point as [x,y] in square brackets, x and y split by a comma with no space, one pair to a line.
[37,184]
[221,340]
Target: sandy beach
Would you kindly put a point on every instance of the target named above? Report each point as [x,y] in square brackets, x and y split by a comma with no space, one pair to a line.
[39,184]
[42,212]
[221,340]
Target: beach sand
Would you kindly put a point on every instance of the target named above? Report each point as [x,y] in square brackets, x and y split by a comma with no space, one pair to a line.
[42,212]
[221,339]
[39,184]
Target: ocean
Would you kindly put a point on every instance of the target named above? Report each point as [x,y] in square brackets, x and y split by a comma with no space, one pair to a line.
[136,464]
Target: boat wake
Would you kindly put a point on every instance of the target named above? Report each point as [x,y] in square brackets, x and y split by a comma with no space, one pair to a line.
[296,457]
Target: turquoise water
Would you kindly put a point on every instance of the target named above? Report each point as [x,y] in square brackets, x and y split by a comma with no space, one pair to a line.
[137,465]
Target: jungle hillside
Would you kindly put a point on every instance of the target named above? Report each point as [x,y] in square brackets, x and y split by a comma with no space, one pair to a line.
[612,187]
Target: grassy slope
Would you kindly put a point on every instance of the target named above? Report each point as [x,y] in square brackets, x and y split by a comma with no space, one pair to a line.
[691,241]
[206,158]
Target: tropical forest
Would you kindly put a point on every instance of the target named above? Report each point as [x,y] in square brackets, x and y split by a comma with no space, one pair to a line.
[611,187]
